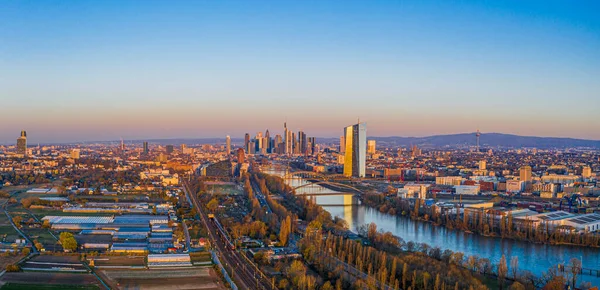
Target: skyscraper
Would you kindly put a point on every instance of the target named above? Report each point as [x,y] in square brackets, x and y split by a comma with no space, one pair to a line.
[22,144]
[312,143]
[303,147]
[247,143]
[288,140]
[228,145]
[145,148]
[169,149]
[240,155]
[371,146]
[268,142]
[342,144]
[356,150]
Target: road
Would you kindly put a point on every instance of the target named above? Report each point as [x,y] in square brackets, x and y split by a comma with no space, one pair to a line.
[243,272]
[260,196]
[187,235]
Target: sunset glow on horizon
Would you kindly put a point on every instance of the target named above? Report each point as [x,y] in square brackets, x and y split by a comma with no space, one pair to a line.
[82,71]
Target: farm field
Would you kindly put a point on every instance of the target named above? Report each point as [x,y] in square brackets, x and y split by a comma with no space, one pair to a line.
[43,280]
[118,261]
[174,279]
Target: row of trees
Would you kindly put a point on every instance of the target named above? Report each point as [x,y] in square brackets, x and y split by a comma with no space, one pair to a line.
[482,222]
[332,253]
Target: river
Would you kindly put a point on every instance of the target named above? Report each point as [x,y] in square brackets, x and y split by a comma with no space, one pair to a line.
[536,258]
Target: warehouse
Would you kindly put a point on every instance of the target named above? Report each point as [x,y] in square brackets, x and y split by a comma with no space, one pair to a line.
[586,222]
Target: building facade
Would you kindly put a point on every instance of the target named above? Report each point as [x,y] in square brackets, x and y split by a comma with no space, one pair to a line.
[356,150]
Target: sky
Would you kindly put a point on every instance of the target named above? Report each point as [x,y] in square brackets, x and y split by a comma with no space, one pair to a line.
[102,70]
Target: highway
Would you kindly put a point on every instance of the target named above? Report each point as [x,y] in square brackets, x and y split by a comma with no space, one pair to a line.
[243,272]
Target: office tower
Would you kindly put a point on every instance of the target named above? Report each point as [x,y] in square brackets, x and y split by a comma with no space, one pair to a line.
[259,142]
[75,153]
[356,150]
[278,144]
[303,147]
[247,143]
[146,148]
[267,141]
[525,173]
[295,146]
[252,147]
[228,145]
[22,144]
[482,165]
[240,155]
[122,147]
[312,143]
[586,172]
[342,144]
[169,149]
[288,139]
[371,146]
[183,147]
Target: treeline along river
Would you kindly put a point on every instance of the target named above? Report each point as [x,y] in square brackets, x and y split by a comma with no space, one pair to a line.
[536,258]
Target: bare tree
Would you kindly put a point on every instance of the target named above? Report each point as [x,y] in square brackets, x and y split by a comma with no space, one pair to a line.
[575,265]
[514,266]
[502,271]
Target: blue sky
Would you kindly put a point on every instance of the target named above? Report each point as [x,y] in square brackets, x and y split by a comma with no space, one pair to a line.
[98,70]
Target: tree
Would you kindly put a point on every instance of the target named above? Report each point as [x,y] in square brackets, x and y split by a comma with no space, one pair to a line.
[13,268]
[212,205]
[514,266]
[575,265]
[17,220]
[67,241]
[285,230]
[283,284]
[516,286]
[327,286]
[502,271]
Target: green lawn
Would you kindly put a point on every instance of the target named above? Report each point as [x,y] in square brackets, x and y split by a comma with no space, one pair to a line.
[24,286]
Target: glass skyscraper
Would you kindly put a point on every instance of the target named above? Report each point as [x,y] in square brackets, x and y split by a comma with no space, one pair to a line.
[355,137]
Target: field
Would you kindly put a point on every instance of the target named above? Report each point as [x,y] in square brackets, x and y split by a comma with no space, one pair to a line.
[23,286]
[200,257]
[38,280]
[227,189]
[188,278]
[119,261]
[6,260]
[7,232]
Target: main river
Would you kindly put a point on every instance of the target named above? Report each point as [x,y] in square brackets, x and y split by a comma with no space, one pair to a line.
[533,257]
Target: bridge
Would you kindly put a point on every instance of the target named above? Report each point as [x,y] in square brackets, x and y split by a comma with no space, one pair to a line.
[316,175]
[335,186]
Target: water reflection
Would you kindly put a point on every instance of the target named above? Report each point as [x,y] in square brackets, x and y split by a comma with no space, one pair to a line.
[533,257]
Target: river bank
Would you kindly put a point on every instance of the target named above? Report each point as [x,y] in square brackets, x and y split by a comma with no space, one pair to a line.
[534,258]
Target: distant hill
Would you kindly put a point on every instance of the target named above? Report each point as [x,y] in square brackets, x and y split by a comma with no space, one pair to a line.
[490,140]
[453,140]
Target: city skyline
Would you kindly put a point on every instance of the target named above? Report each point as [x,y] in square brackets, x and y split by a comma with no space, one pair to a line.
[33,140]
[409,69]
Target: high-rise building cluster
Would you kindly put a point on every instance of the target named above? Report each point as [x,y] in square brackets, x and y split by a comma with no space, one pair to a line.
[291,143]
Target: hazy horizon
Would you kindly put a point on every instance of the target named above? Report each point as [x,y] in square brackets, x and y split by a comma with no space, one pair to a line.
[101,70]
[32,140]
